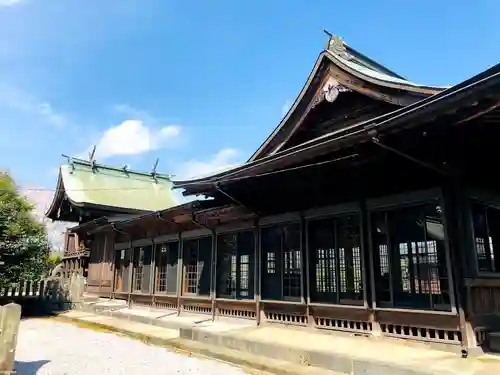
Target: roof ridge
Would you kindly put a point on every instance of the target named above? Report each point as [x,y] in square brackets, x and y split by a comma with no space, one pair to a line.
[340,48]
[124,169]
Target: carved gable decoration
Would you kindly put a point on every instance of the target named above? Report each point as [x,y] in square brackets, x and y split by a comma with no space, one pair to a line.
[329,91]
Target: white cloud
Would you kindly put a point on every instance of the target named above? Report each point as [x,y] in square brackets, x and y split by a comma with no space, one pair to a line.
[8,3]
[133,137]
[52,116]
[21,101]
[130,111]
[42,200]
[222,160]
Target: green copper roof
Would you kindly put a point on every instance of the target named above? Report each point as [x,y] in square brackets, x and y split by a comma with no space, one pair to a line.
[84,183]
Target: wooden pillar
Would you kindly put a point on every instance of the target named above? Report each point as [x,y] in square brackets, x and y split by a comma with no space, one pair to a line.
[302,250]
[102,255]
[257,271]
[110,250]
[307,271]
[113,279]
[130,271]
[213,274]
[179,273]
[456,258]
[368,261]
[152,273]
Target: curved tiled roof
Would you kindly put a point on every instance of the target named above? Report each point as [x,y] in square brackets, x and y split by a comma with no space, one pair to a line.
[364,72]
[463,94]
[340,53]
[356,64]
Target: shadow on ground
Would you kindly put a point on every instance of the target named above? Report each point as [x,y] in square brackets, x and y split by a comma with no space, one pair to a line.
[38,308]
[34,314]
[29,368]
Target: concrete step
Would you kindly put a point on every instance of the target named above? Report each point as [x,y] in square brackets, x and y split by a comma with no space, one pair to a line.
[170,338]
[100,305]
[285,351]
[165,318]
[90,298]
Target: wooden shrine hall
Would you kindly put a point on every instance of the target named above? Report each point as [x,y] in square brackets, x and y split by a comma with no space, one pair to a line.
[89,193]
[372,208]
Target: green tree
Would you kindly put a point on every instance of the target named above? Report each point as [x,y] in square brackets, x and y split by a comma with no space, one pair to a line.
[53,261]
[24,248]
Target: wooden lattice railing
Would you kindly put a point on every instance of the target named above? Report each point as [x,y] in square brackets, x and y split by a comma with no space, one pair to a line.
[23,289]
[45,289]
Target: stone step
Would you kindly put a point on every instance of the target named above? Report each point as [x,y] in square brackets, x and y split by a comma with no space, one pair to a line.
[281,350]
[90,299]
[101,305]
[262,364]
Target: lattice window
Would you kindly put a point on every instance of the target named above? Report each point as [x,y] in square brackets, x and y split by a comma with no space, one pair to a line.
[161,264]
[335,247]
[245,275]
[384,260]
[292,272]
[481,251]
[412,267]
[197,255]
[271,263]
[231,282]
[166,267]
[357,286]
[282,263]
[139,268]
[326,281]
[192,270]
[227,250]
[404,267]
[235,252]
[487,237]
[342,267]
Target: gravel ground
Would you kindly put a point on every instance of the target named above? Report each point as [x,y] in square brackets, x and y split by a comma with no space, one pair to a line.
[48,347]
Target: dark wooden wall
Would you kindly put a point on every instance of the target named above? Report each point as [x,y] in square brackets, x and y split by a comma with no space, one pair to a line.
[102,258]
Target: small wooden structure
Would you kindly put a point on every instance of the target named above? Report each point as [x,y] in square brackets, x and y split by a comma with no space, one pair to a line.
[93,194]
[373,208]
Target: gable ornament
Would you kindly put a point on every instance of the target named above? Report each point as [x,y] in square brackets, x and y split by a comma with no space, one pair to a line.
[330,92]
[337,47]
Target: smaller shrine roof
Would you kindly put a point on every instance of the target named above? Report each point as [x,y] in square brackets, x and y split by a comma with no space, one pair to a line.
[109,190]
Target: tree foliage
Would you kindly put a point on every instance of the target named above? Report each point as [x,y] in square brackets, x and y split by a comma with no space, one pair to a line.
[24,248]
[54,260]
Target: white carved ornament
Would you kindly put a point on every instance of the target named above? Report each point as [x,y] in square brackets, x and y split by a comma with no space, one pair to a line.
[332,89]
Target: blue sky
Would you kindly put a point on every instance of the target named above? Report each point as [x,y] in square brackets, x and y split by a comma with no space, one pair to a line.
[199,84]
